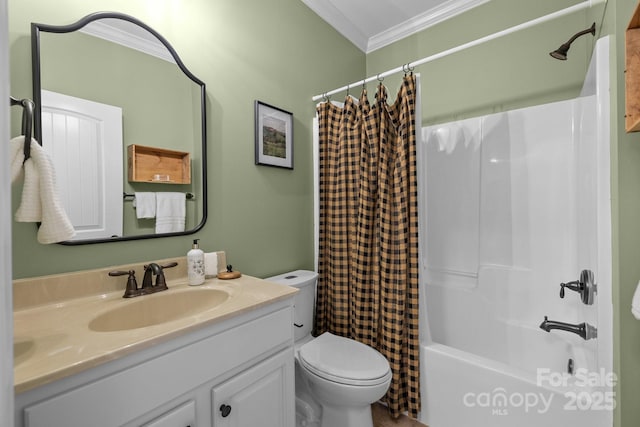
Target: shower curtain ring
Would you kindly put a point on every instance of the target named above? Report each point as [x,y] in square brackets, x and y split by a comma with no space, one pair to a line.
[379,79]
[348,87]
[407,68]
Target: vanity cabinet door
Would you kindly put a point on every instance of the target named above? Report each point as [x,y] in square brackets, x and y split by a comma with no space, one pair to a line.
[182,416]
[260,396]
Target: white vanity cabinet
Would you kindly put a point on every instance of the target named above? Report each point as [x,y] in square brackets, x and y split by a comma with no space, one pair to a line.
[245,362]
[183,416]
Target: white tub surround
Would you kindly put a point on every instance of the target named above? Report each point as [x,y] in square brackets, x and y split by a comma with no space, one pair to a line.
[513,204]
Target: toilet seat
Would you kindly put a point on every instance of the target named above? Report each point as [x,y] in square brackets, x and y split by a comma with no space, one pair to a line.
[345,361]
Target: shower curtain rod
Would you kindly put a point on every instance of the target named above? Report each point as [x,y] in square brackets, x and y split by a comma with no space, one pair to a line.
[410,65]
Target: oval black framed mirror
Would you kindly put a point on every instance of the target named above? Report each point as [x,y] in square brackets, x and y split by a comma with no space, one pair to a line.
[121,116]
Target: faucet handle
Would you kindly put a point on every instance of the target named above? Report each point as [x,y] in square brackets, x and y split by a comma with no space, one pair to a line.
[574,286]
[132,286]
[585,286]
[118,273]
[169,265]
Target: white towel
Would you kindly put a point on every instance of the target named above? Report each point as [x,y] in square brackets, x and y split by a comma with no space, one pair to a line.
[211,264]
[145,204]
[170,212]
[40,201]
[635,303]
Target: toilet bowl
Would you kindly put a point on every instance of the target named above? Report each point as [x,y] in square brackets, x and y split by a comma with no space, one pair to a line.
[345,377]
[337,378]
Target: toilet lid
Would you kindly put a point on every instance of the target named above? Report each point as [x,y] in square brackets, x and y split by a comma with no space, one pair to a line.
[344,360]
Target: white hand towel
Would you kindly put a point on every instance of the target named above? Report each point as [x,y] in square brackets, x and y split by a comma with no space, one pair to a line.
[635,303]
[170,212]
[145,204]
[30,209]
[211,264]
[40,201]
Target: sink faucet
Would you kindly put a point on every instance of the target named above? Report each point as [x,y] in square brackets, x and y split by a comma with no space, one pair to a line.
[148,287]
[583,329]
[156,270]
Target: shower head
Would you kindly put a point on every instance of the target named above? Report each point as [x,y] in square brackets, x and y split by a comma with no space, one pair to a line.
[561,52]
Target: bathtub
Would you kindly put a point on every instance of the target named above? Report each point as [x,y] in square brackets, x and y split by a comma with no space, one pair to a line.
[493,372]
[462,389]
[511,205]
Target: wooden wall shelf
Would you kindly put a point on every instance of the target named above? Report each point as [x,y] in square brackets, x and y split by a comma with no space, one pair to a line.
[158,165]
[632,73]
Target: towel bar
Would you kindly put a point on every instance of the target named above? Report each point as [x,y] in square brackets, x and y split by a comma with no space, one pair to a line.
[132,196]
[27,121]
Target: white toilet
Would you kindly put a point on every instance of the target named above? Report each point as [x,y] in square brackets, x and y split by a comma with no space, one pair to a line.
[337,379]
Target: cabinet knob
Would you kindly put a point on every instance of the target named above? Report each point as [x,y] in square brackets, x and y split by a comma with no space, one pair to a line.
[225,410]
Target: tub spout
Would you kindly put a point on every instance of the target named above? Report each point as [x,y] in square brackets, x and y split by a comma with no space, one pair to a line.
[583,329]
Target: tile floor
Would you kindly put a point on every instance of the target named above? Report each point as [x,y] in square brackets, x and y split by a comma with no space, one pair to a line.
[381,418]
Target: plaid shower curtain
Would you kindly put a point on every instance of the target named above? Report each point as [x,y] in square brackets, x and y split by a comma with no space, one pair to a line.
[368,252]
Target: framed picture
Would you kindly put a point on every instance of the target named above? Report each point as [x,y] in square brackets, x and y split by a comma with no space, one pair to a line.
[274,136]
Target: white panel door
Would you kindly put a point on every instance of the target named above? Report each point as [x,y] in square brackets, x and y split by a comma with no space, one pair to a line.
[84,140]
[261,396]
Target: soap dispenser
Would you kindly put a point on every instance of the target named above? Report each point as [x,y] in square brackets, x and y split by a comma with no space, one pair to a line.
[195,264]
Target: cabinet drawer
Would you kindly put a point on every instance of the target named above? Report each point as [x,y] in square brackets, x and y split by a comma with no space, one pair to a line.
[128,394]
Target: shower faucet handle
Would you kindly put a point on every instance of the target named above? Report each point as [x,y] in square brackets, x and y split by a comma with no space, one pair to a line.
[574,286]
[585,286]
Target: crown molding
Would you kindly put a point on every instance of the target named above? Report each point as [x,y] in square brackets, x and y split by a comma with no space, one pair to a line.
[128,39]
[341,23]
[336,19]
[420,22]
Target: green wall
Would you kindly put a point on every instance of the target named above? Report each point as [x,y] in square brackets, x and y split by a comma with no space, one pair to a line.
[276,51]
[510,72]
[626,229]
[154,94]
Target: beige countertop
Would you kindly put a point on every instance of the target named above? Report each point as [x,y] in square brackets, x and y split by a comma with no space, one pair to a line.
[52,341]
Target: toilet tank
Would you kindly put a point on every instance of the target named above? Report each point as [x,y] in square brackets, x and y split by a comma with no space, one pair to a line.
[305,281]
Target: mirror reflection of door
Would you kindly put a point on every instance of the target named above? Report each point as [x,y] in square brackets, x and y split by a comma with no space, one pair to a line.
[84,140]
